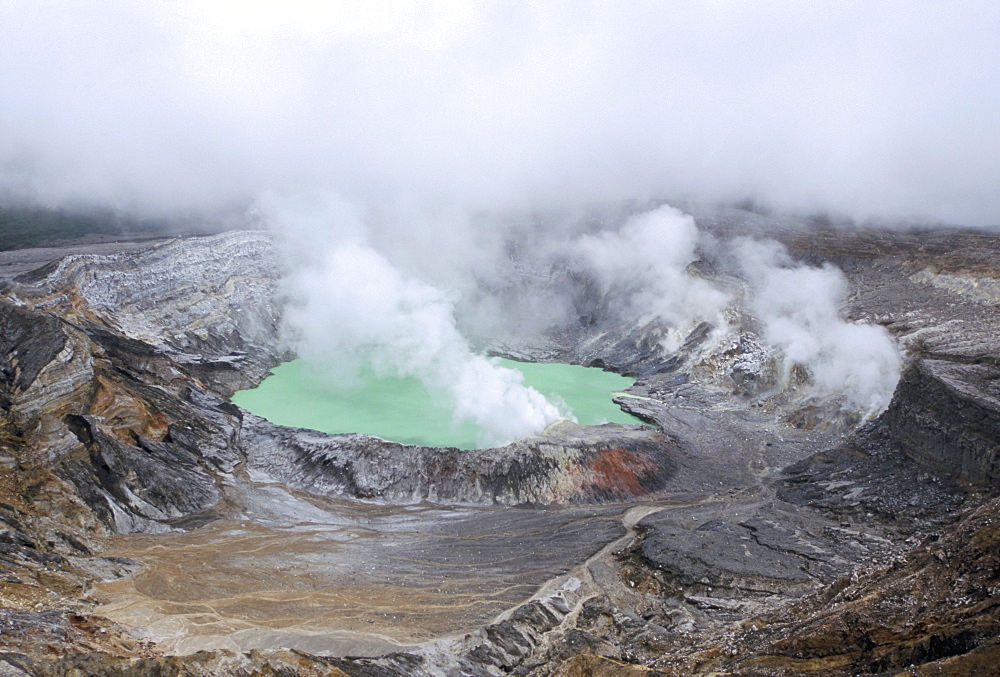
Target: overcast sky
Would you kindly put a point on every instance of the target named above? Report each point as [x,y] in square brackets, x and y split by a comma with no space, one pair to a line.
[888,110]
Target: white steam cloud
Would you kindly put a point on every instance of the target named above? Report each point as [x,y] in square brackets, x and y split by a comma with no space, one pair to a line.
[428,119]
[353,306]
[646,263]
[352,310]
[799,308]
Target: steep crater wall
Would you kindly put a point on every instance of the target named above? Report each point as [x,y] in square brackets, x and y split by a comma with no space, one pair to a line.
[947,414]
[567,464]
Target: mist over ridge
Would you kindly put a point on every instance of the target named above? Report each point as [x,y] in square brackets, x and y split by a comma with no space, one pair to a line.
[299,303]
[403,153]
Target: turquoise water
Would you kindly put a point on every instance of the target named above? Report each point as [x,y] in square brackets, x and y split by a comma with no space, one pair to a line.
[401,410]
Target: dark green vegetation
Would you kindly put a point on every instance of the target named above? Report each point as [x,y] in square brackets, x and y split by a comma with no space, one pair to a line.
[33,226]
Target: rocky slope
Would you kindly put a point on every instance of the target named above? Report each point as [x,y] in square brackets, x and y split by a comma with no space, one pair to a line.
[743,533]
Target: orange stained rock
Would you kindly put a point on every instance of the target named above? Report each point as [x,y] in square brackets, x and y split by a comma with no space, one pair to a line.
[125,413]
[618,470]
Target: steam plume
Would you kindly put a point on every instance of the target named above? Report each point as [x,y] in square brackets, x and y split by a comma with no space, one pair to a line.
[351,310]
[799,308]
[645,264]
[423,118]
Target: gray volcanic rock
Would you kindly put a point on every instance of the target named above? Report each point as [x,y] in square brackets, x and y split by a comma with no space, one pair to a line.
[717,553]
[132,485]
[128,422]
[868,480]
[47,371]
[115,372]
[947,415]
[567,464]
[211,303]
[98,411]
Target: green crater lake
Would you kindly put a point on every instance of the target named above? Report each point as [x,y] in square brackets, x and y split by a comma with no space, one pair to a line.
[401,410]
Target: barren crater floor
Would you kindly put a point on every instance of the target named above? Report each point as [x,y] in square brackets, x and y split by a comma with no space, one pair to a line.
[334,577]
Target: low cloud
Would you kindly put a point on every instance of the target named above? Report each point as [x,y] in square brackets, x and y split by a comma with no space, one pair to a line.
[870,110]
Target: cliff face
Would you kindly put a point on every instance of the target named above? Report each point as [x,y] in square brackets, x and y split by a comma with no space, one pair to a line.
[115,371]
[933,611]
[211,304]
[568,464]
[947,414]
[103,388]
